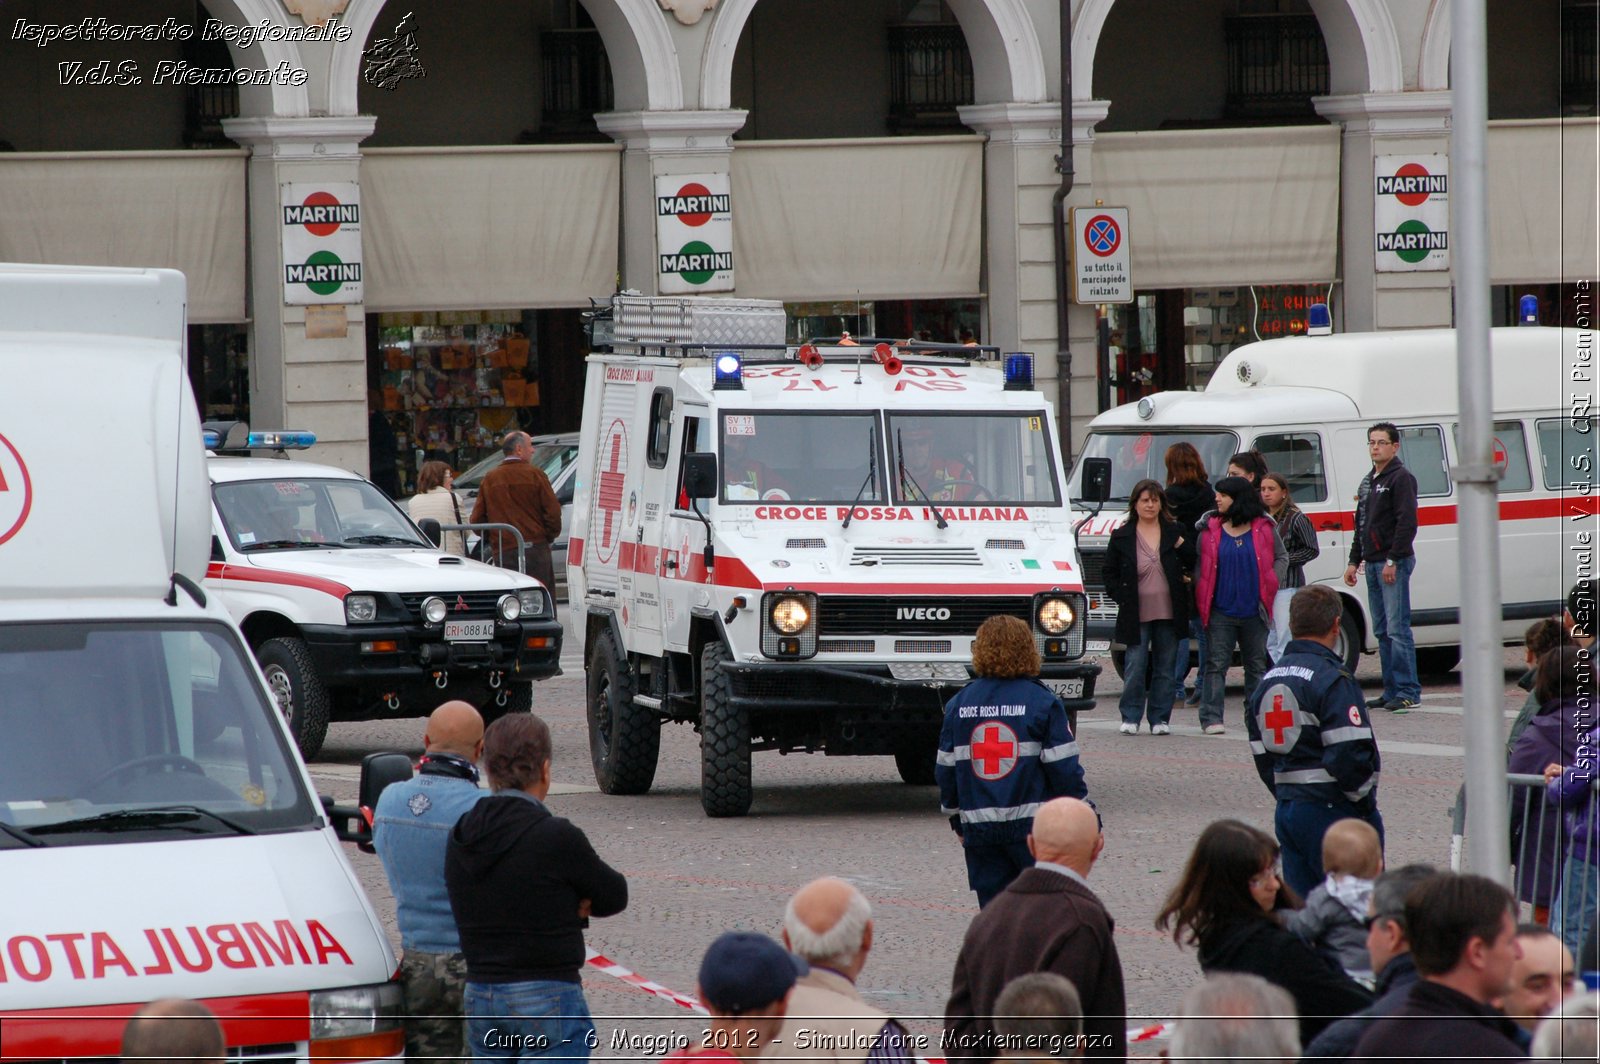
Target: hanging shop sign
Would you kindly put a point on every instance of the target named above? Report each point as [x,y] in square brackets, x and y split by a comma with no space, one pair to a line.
[321,242]
[1411,212]
[694,234]
[1100,269]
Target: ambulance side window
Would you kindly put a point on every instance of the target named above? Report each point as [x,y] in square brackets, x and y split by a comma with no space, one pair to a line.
[1566,451]
[691,444]
[1511,447]
[660,440]
[1298,456]
[1422,451]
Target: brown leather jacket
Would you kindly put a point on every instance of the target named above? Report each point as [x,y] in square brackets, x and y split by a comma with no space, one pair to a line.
[518,493]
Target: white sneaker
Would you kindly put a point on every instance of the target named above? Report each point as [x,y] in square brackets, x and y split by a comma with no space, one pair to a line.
[1160,729]
[1216,729]
[1129,729]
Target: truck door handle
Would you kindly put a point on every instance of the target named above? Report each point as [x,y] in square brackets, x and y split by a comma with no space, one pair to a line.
[1331,526]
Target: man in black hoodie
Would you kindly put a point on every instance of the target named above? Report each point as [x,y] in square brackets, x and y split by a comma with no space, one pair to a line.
[523,884]
[1386,528]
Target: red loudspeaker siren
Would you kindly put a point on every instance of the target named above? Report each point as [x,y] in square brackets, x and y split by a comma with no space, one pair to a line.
[809,356]
[886,358]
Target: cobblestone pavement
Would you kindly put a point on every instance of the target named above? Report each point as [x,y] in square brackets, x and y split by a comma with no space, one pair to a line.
[691,878]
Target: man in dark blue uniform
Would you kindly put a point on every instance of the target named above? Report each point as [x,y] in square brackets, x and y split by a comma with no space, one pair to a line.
[1312,738]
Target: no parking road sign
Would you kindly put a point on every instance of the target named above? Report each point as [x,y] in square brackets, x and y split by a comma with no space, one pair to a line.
[1100,272]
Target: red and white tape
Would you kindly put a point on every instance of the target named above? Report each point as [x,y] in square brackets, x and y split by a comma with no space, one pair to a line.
[601,963]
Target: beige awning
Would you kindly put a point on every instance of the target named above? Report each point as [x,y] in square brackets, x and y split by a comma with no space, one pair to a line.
[1225,206]
[1542,200]
[878,219]
[469,228]
[182,210]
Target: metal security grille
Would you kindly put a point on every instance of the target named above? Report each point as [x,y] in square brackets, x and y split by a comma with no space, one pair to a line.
[847,646]
[577,80]
[930,75]
[869,615]
[478,603]
[1276,64]
[922,646]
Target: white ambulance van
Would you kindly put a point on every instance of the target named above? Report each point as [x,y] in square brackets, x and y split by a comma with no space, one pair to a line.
[791,549]
[159,836]
[1306,402]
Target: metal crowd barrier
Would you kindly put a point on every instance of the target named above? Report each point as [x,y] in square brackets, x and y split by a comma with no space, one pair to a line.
[482,551]
[1540,833]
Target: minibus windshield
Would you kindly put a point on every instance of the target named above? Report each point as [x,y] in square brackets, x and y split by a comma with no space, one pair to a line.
[1139,454]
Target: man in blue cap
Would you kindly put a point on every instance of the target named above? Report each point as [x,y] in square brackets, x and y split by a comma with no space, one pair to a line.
[745,979]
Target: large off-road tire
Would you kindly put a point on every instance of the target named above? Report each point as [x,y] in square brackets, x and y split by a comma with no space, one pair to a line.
[725,788]
[1436,661]
[915,761]
[624,738]
[1349,645]
[298,691]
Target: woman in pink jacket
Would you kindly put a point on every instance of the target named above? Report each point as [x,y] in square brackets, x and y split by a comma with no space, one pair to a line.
[1242,562]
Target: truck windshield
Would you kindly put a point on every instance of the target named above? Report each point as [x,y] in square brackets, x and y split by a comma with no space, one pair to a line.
[1004,458]
[298,513]
[1137,455]
[119,728]
[804,457]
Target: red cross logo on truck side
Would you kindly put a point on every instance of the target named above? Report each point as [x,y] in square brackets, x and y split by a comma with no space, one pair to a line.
[994,751]
[1280,724]
[614,454]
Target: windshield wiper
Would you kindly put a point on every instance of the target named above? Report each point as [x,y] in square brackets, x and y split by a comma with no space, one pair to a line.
[135,819]
[379,538]
[905,475]
[22,836]
[872,473]
[287,544]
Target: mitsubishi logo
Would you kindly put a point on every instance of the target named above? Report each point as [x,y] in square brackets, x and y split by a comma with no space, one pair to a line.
[461,603]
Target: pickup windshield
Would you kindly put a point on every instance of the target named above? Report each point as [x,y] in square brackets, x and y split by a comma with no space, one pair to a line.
[1137,455]
[107,719]
[299,513]
[802,457]
[1003,458]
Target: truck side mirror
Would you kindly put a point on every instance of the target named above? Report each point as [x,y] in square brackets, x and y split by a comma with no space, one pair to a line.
[700,475]
[1095,479]
[377,772]
[430,528]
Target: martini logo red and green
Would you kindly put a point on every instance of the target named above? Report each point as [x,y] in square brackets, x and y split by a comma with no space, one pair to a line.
[1411,184]
[323,272]
[322,214]
[697,262]
[693,205]
[1412,241]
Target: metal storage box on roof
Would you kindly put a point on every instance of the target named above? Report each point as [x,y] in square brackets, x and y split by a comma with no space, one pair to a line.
[698,320]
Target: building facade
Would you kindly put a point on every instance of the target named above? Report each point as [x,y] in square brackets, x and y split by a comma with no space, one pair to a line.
[398,213]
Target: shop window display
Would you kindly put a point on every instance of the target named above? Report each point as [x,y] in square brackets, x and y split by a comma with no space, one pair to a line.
[453,383]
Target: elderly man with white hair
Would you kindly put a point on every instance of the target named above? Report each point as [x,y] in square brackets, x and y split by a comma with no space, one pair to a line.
[829,923]
[1571,1032]
[1234,1016]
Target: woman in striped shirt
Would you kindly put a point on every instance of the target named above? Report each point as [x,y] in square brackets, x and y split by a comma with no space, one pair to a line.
[1299,543]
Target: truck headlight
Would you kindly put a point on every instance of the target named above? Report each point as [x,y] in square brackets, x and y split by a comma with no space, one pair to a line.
[533,602]
[1055,615]
[790,615]
[510,607]
[360,609]
[353,1011]
[434,609]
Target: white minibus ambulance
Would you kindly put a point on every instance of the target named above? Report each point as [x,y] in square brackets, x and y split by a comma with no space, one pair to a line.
[159,835]
[1306,402]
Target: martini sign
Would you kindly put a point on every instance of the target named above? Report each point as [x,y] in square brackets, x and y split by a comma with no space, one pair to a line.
[1411,213]
[321,243]
[694,233]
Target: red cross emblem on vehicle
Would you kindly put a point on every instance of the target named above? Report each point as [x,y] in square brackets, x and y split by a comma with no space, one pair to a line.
[614,456]
[1280,719]
[994,751]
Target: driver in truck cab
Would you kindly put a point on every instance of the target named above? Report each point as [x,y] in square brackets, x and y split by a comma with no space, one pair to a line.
[925,477]
[745,477]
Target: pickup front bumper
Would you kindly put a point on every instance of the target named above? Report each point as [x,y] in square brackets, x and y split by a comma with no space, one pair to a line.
[360,657]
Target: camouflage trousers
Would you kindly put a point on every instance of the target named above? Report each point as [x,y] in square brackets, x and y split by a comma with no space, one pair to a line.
[435,1030]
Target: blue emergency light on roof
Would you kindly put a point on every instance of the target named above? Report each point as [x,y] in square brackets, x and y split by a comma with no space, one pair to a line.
[1019,371]
[282,441]
[1318,321]
[1528,310]
[730,372]
[211,440]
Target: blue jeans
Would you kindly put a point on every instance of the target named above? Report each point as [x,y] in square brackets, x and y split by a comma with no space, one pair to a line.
[992,866]
[1278,640]
[1572,912]
[1180,664]
[527,1021]
[1390,605]
[1250,635]
[1147,670]
[1300,827]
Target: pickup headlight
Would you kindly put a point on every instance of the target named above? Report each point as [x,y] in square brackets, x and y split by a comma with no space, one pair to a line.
[533,602]
[360,609]
[1055,615]
[434,609]
[352,1011]
[509,607]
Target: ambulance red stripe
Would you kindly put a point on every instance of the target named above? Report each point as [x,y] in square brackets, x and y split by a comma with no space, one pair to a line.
[96,1030]
[251,574]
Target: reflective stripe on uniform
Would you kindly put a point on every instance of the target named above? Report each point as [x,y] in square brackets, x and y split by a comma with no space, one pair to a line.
[1057,753]
[947,811]
[949,757]
[999,814]
[1257,747]
[1362,791]
[1303,775]
[1331,736]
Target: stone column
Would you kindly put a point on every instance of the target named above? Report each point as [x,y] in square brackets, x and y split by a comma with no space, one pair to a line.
[1020,180]
[1384,124]
[297,383]
[657,144]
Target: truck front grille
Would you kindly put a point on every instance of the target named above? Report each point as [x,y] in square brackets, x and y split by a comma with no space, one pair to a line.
[934,615]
